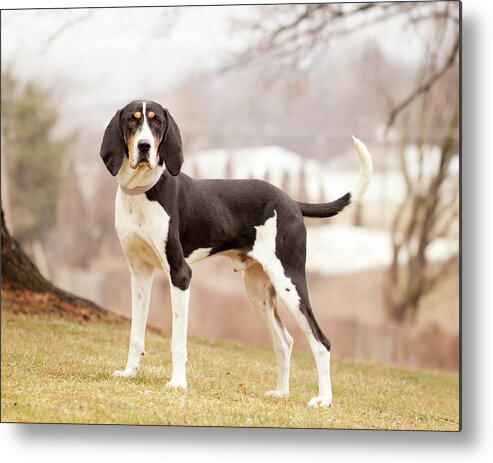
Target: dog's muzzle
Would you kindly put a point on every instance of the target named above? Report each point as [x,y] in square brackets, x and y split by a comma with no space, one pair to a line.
[144,147]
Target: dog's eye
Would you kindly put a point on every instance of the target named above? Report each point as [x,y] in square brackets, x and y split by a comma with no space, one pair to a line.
[132,120]
[156,121]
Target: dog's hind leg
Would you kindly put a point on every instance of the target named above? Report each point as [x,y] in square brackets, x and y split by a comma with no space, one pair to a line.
[282,254]
[295,296]
[319,344]
[141,282]
[263,298]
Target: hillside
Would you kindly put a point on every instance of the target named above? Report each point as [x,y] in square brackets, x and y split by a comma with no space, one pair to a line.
[58,369]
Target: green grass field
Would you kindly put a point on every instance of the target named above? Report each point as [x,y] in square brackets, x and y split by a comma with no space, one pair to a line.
[59,371]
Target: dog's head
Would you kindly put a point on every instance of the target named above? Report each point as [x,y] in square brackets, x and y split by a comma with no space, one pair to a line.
[145,133]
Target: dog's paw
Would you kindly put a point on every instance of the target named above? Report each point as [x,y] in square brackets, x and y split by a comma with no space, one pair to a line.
[175,383]
[321,401]
[277,393]
[124,373]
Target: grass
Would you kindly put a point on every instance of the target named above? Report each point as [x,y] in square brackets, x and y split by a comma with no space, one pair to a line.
[59,371]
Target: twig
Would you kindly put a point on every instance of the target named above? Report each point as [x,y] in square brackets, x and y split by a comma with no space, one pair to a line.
[424,87]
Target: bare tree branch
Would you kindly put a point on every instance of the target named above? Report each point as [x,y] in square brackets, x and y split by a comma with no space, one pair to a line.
[426,86]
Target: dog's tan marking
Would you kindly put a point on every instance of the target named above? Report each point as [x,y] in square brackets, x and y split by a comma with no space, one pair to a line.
[130,147]
[150,114]
[239,260]
[137,115]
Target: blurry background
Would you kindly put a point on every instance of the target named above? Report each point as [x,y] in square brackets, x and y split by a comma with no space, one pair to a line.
[272,92]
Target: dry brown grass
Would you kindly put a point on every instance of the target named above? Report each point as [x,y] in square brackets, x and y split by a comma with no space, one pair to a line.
[58,369]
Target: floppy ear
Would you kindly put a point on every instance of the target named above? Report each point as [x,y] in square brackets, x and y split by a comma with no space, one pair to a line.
[170,149]
[113,147]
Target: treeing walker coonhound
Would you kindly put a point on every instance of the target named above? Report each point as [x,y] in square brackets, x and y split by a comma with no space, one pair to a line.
[165,219]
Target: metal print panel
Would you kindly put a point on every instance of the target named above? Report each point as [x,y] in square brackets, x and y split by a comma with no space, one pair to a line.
[242,215]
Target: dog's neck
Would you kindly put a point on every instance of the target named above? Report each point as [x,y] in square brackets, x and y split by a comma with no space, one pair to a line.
[137,181]
[139,189]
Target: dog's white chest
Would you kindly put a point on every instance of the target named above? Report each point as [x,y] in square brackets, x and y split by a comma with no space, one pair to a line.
[142,227]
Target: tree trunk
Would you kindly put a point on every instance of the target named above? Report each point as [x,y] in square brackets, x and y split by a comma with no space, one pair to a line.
[19,271]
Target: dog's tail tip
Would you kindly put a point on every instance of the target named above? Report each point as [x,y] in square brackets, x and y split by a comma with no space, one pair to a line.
[361,148]
[366,169]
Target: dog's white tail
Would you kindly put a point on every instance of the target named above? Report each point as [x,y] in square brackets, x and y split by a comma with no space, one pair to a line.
[334,207]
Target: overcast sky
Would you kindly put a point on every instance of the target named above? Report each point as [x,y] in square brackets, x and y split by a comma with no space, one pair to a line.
[113,53]
[111,56]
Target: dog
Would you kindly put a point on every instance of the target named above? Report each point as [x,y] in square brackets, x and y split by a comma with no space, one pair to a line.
[167,220]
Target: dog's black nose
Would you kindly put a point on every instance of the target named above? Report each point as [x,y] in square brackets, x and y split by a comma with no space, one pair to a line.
[144,146]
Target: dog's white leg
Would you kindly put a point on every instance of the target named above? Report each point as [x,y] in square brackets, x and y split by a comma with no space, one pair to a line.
[179,303]
[285,266]
[263,298]
[141,283]
[320,352]
[283,345]
[322,360]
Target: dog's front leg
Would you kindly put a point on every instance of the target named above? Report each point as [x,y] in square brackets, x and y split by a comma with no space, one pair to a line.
[141,277]
[180,292]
